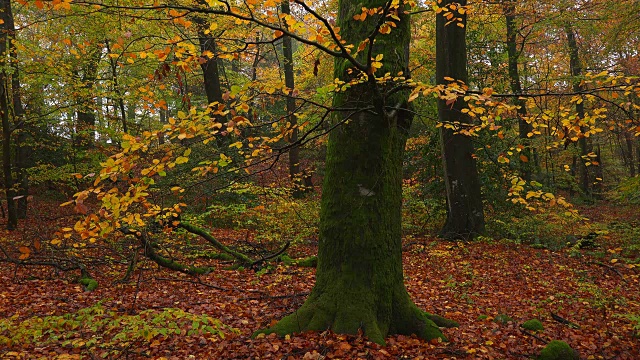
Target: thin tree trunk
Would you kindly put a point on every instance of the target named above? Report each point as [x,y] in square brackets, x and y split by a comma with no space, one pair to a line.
[7,129]
[86,116]
[209,62]
[628,138]
[524,128]
[465,217]
[116,87]
[289,81]
[359,278]
[576,72]
[23,151]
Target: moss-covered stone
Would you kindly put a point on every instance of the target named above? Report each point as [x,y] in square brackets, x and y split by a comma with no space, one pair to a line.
[533,325]
[88,283]
[558,350]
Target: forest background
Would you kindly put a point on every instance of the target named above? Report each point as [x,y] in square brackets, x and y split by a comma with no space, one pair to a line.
[248,179]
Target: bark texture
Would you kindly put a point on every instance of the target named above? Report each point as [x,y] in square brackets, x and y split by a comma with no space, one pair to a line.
[583,145]
[5,113]
[524,128]
[292,119]
[359,278]
[465,217]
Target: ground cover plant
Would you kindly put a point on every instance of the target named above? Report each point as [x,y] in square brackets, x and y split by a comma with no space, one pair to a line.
[384,179]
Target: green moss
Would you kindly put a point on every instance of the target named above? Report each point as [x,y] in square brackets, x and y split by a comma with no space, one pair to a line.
[311,261]
[558,350]
[442,321]
[502,319]
[88,283]
[218,256]
[533,325]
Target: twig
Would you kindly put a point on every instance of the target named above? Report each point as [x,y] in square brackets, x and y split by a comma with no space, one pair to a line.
[524,331]
[563,320]
[284,248]
[610,268]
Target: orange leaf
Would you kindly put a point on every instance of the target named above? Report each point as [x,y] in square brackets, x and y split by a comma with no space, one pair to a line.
[24,252]
[524,158]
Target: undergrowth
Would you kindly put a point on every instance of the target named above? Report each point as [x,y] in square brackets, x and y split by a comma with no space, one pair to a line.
[98,329]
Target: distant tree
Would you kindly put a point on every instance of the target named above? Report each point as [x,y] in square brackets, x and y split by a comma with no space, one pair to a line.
[465,217]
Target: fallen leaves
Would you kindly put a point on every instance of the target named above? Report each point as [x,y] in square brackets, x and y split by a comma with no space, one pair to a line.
[472,284]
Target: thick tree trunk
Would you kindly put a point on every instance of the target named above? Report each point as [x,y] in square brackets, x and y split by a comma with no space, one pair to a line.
[465,217]
[359,279]
[524,128]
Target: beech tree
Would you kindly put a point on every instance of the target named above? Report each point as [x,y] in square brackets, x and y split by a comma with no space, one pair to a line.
[465,217]
[359,278]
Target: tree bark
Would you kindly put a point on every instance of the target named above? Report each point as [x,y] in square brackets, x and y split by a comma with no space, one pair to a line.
[465,217]
[116,88]
[86,116]
[628,138]
[209,63]
[583,145]
[359,278]
[7,128]
[289,81]
[23,151]
[524,128]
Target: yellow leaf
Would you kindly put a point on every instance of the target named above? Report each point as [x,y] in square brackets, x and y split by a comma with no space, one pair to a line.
[181,160]
[613,261]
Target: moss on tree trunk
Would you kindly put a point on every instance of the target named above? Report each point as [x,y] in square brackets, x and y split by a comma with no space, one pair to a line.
[359,278]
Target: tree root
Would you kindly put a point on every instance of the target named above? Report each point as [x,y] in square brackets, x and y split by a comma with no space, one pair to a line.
[346,315]
[311,261]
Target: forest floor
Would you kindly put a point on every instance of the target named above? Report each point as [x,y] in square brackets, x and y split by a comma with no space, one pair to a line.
[489,287]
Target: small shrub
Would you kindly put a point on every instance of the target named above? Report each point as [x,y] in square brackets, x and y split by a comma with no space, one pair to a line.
[420,213]
[544,230]
[533,325]
[104,331]
[558,350]
[271,212]
[628,191]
